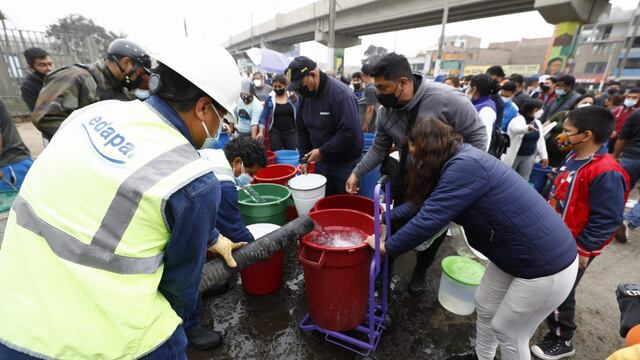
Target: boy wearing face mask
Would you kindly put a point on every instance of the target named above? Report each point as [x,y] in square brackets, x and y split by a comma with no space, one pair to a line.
[589,192]
[565,97]
[622,112]
[510,108]
[248,110]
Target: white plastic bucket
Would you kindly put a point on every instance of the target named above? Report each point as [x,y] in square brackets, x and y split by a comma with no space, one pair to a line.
[309,186]
[458,284]
[303,206]
[306,190]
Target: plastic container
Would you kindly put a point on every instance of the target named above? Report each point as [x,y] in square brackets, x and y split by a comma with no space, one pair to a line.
[6,199]
[290,157]
[306,190]
[369,181]
[271,157]
[351,202]
[337,279]
[275,174]
[368,140]
[222,140]
[263,277]
[538,176]
[311,169]
[272,211]
[458,284]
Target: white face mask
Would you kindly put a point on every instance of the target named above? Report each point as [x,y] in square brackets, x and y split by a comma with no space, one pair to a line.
[257,83]
[630,102]
[505,99]
[583,105]
[538,114]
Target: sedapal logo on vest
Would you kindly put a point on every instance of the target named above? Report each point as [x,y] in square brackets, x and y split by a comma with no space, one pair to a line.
[110,144]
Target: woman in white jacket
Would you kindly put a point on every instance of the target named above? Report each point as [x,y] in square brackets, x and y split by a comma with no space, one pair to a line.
[527,140]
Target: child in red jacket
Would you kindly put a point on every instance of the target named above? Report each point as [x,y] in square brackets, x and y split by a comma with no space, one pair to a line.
[590,192]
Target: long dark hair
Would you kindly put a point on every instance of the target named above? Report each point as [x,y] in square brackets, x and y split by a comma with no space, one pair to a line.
[435,142]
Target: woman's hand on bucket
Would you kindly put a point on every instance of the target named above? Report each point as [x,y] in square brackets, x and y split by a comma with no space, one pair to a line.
[371,240]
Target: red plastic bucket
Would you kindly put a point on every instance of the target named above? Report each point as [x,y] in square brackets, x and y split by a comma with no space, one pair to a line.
[352,202]
[271,157]
[337,279]
[263,277]
[275,174]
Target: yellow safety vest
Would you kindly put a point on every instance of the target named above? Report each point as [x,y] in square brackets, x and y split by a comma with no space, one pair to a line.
[82,254]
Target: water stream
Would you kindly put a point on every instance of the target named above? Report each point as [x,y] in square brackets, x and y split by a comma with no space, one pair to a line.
[252,194]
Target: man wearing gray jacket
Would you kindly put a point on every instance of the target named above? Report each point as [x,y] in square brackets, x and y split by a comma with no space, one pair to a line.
[407,98]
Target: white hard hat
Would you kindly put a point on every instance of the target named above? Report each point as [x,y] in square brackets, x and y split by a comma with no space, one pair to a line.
[210,67]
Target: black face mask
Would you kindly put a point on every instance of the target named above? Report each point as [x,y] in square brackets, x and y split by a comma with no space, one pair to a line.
[544,88]
[612,91]
[389,100]
[247,98]
[131,84]
[357,86]
[279,92]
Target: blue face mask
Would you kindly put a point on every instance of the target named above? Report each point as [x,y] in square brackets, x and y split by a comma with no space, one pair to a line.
[560,92]
[244,179]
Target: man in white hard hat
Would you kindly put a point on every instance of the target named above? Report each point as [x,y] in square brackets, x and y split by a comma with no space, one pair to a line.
[104,259]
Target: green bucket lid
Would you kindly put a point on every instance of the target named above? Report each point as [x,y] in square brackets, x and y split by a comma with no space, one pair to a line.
[6,199]
[463,270]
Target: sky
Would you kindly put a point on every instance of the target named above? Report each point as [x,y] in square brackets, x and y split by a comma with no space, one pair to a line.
[217,20]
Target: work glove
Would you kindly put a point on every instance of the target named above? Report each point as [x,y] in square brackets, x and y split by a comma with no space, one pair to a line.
[224,247]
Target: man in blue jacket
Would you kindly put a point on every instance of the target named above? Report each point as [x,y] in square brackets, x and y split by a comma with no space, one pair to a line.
[328,126]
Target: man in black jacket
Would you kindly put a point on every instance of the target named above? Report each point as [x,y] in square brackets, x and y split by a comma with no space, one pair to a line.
[328,126]
[40,64]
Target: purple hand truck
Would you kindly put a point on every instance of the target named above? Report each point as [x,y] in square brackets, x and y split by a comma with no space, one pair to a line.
[377,319]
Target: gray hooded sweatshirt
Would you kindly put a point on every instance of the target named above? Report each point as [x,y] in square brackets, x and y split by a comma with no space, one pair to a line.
[435,100]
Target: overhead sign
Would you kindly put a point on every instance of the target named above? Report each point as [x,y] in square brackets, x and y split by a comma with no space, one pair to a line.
[524,70]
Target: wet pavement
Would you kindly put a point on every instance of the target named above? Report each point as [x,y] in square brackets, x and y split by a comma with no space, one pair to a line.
[267,327]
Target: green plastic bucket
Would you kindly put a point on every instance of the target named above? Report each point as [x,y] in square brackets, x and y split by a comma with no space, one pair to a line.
[272,211]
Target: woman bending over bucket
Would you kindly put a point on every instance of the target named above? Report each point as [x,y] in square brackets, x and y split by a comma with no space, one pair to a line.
[532,254]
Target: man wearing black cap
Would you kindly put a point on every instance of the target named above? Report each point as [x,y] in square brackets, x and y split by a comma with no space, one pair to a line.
[328,127]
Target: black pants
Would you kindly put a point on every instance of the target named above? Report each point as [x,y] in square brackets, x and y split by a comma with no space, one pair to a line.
[282,140]
[561,322]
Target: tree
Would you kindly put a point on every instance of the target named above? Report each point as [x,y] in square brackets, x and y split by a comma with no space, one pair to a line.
[81,37]
[373,54]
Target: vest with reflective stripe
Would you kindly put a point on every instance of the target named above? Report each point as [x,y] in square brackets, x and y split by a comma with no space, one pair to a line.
[82,255]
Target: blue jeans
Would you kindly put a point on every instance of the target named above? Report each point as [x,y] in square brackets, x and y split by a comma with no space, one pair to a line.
[632,167]
[15,174]
[172,349]
[336,174]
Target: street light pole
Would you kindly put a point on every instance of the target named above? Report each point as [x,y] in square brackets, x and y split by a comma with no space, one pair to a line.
[331,42]
[445,15]
[623,63]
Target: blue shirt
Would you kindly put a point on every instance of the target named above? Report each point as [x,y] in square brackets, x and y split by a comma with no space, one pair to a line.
[230,222]
[191,214]
[510,112]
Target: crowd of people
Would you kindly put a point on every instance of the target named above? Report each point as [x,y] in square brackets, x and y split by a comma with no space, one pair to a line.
[135,206]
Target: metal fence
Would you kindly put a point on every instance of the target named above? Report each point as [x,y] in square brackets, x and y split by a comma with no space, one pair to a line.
[13,65]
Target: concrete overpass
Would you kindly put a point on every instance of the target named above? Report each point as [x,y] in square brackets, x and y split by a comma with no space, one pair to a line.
[363,17]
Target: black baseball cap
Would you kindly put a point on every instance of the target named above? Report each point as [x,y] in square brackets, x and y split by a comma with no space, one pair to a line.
[297,70]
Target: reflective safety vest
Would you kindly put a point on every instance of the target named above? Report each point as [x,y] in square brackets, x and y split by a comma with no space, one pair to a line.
[218,161]
[82,254]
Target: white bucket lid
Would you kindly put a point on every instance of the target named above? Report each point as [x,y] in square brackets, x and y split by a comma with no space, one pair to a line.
[261,229]
[307,182]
